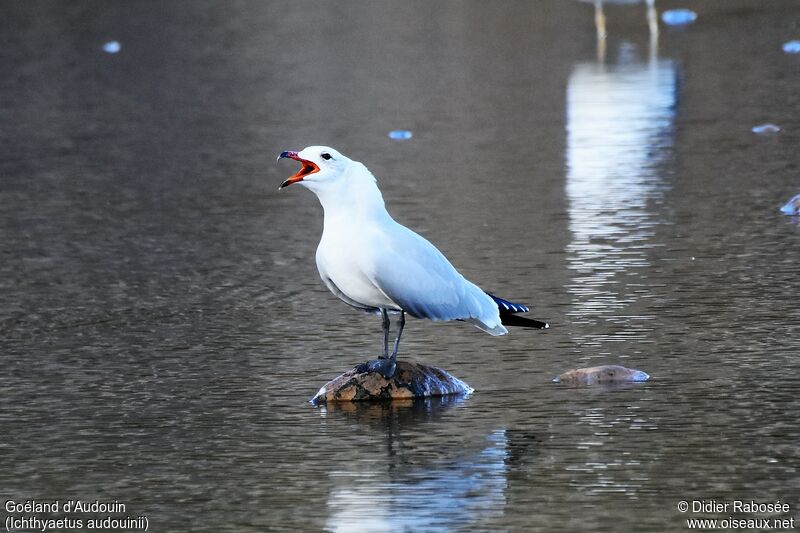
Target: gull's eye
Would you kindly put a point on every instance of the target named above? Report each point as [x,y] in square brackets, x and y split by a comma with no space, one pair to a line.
[326,156]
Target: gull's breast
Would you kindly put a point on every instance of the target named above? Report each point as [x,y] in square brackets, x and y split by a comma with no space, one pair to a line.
[340,262]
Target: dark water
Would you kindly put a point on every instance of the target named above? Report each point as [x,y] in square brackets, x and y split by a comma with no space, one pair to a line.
[163,325]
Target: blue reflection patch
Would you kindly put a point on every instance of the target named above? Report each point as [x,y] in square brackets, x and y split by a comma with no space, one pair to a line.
[112,47]
[766,129]
[678,17]
[792,207]
[792,47]
[400,135]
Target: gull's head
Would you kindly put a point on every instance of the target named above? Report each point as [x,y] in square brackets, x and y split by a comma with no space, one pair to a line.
[320,165]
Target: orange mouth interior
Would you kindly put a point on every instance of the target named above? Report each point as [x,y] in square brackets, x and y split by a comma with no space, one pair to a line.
[307,169]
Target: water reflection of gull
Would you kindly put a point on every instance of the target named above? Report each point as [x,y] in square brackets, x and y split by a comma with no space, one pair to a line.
[619,128]
[600,21]
[600,469]
[423,484]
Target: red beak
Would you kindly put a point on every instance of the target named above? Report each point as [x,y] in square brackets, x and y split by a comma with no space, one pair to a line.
[309,167]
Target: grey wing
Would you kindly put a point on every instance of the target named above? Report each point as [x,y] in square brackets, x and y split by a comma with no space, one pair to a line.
[419,279]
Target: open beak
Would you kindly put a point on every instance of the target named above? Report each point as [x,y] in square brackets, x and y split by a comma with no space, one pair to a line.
[308,167]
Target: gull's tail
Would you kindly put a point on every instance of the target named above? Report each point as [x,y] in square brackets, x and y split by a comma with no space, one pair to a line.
[508,315]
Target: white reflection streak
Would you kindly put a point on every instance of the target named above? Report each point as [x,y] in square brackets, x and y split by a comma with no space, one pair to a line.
[600,23]
[619,122]
[601,470]
[436,498]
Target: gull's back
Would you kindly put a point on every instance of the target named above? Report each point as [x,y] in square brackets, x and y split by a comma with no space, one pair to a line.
[370,261]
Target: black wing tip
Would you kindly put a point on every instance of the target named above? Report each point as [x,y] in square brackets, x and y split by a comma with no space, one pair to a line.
[509,319]
[508,307]
[508,315]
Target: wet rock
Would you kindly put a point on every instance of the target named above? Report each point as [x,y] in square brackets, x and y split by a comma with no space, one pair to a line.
[792,207]
[601,375]
[410,380]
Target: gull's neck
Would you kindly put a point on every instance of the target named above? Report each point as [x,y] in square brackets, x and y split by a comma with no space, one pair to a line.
[354,198]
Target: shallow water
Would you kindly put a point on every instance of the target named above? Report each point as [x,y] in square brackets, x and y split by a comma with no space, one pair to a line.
[163,322]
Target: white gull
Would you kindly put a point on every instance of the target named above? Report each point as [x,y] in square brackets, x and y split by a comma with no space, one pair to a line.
[380,266]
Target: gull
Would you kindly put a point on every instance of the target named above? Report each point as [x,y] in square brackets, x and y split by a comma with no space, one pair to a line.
[374,264]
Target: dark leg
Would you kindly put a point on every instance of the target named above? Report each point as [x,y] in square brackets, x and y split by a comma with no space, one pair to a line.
[384,365]
[385,334]
[399,332]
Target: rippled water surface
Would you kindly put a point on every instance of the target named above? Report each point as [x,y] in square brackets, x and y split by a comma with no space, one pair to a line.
[163,324]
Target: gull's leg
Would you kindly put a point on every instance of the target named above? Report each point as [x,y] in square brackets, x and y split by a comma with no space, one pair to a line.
[652,24]
[600,25]
[385,333]
[384,364]
[399,332]
[599,20]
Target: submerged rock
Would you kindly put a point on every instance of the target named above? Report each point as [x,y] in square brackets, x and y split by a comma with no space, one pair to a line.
[792,207]
[410,380]
[601,375]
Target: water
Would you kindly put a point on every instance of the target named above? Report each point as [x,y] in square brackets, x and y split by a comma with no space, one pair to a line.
[164,327]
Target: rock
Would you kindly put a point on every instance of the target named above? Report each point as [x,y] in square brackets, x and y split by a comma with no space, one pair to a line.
[410,380]
[601,375]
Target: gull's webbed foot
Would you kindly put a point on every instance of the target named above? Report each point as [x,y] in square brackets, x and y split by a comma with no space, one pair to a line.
[384,367]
